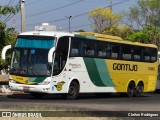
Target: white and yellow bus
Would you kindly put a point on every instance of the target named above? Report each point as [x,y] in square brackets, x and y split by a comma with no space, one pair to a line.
[158,81]
[72,63]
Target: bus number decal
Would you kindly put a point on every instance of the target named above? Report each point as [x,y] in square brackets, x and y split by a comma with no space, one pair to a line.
[151,68]
[59,85]
[125,67]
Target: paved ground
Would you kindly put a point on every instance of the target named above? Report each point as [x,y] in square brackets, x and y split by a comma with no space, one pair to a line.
[148,102]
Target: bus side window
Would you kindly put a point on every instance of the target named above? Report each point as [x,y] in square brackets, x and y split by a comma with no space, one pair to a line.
[90,51]
[74,52]
[153,54]
[75,46]
[137,53]
[147,57]
[108,51]
[126,52]
[101,50]
[115,51]
[89,48]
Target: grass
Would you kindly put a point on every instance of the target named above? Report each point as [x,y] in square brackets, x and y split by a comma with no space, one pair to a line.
[4,78]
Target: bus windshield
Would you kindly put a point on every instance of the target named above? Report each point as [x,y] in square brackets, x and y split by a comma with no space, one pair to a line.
[30,62]
[30,56]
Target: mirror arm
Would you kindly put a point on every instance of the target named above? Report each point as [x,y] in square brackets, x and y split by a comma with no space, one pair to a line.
[4,50]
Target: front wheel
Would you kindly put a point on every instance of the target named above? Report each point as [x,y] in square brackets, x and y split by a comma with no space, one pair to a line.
[73,91]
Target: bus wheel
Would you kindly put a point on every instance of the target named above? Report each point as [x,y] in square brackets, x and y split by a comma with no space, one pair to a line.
[38,95]
[73,91]
[131,89]
[139,89]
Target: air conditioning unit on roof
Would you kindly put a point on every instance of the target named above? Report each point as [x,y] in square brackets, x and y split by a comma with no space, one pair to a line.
[45,27]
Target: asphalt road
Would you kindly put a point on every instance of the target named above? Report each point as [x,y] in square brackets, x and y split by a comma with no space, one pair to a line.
[113,102]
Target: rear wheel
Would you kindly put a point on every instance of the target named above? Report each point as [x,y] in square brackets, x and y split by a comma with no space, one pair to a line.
[139,89]
[131,89]
[73,91]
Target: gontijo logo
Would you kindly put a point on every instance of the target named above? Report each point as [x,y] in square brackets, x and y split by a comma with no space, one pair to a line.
[125,67]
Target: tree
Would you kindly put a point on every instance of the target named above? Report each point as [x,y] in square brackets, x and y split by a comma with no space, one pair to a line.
[121,31]
[7,35]
[145,16]
[103,19]
[81,30]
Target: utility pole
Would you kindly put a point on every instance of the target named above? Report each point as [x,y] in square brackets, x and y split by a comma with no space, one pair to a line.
[23,19]
[14,23]
[110,7]
[69,18]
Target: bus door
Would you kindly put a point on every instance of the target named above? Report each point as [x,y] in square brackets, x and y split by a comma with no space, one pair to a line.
[61,55]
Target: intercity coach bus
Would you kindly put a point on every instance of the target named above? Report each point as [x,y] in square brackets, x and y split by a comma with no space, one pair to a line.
[85,62]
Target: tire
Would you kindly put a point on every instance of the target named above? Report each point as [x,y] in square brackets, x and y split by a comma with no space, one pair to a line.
[73,91]
[38,95]
[131,89]
[139,90]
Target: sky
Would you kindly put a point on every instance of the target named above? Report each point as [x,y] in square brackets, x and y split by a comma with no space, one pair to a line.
[56,12]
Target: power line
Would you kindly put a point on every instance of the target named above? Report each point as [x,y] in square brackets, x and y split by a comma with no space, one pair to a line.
[75,16]
[9,16]
[54,9]
[31,3]
[10,2]
[58,20]
[94,1]
[83,25]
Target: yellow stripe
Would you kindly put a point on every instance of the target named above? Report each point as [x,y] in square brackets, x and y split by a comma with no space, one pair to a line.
[20,79]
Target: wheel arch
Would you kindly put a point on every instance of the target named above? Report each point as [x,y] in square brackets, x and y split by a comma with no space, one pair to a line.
[140,81]
[73,79]
[132,80]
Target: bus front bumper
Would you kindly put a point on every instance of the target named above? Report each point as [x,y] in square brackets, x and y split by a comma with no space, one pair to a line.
[29,88]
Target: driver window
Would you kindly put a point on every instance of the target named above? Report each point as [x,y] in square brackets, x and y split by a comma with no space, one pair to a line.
[61,55]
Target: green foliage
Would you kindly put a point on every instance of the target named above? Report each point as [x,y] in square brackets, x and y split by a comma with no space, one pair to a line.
[139,36]
[144,19]
[103,19]
[5,10]
[81,30]
[7,35]
[121,31]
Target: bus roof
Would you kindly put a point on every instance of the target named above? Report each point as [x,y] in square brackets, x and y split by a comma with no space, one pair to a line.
[86,35]
[114,39]
[47,33]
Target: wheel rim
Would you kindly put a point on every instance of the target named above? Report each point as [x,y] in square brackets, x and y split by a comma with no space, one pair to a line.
[72,90]
[140,89]
[131,90]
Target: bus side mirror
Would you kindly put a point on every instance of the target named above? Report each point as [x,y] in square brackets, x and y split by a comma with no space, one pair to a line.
[4,50]
[50,54]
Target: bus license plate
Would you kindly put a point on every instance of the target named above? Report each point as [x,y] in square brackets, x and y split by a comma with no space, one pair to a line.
[26,88]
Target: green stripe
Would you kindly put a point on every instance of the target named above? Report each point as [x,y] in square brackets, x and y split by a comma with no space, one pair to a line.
[103,72]
[36,79]
[88,37]
[93,72]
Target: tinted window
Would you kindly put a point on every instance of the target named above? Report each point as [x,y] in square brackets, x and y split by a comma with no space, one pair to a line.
[115,51]
[127,52]
[82,47]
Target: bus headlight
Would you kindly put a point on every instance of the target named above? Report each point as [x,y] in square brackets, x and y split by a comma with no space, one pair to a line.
[44,83]
[12,81]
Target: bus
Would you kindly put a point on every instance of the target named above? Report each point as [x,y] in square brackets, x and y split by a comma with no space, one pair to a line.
[82,62]
[158,81]
[158,57]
